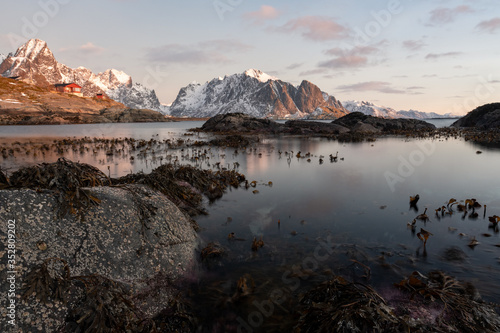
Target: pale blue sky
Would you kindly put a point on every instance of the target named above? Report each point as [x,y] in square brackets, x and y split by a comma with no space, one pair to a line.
[435,56]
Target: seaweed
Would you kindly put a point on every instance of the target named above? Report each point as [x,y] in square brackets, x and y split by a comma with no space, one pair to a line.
[343,306]
[48,281]
[185,185]
[66,180]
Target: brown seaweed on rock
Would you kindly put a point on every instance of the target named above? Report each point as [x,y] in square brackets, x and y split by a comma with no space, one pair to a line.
[66,179]
[184,185]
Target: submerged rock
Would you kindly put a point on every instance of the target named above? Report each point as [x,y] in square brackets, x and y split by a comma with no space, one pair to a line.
[132,235]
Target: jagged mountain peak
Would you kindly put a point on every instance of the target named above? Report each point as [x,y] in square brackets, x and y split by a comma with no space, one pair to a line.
[259,75]
[257,94]
[34,63]
[32,49]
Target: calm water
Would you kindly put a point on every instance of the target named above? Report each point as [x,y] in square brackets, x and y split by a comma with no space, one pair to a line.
[358,204]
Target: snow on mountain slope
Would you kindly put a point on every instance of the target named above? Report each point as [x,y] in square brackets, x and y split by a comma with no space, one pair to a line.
[386,112]
[34,63]
[257,94]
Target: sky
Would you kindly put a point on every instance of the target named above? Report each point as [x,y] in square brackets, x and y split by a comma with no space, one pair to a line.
[433,56]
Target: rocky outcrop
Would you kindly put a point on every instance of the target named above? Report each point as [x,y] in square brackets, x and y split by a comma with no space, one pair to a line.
[313,127]
[240,122]
[485,117]
[133,236]
[359,122]
[354,123]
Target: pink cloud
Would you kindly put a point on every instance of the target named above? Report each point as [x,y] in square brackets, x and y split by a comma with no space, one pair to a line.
[264,13]
[349,58]
[490,26]
[317,28]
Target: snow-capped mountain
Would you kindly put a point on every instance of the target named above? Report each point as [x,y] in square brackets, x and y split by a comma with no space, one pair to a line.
[35,63]
[386,112]
[2,57]
[258,94]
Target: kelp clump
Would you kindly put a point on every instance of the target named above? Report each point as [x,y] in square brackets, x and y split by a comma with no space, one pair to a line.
[185,185]
[435,302]
[66,179]
[339,305]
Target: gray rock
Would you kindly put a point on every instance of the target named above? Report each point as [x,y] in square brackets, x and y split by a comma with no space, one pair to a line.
[133,235]
[365,128]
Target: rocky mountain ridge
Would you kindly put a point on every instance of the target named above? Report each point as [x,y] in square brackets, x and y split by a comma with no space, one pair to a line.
[257,94]
[35,63]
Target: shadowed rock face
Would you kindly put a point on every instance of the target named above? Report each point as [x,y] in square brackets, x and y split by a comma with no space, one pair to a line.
[131,236]
[357,121]
[240,122]
[483,117]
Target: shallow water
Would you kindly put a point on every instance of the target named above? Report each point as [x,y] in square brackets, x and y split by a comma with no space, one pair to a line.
[316,218]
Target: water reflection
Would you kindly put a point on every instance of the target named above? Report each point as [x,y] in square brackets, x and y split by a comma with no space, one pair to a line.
[353,200]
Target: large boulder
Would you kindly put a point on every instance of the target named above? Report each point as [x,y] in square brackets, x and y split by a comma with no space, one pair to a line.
[484,117]
[133,235]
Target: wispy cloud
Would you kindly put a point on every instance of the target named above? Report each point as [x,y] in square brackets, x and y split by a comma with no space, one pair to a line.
[314,72]
[349,58]
[86,49]
[90,48]
[378,86]
[490,26]
[443,15]
[433,56]
[263,14]
[414,45]
[316,28]
[294,65]
[214,51]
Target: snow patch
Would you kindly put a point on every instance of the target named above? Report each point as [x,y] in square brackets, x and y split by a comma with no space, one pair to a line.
[259,75]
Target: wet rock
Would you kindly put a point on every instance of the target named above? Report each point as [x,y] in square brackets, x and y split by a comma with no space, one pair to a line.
[134,234]
[454,254]
[484,117]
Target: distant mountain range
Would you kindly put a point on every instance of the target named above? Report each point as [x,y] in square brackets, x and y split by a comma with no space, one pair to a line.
[385,112]
[35,63]
[258,94]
